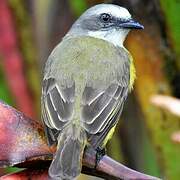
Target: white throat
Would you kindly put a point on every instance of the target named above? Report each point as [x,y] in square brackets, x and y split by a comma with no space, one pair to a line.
[114,36]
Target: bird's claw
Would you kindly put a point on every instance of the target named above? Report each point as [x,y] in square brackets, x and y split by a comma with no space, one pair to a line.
[100,152]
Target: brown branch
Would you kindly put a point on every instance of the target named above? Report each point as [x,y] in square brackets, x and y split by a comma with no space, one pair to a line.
[23,144]
[107,168]
[110,169]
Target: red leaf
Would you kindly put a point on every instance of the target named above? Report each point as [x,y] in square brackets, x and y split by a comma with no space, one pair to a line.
[13,61]
[27,174]
[20,137]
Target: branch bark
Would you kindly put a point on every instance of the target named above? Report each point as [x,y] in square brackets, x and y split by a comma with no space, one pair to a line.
[23,144]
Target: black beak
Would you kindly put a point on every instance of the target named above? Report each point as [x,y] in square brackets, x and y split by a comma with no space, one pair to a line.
[131,24]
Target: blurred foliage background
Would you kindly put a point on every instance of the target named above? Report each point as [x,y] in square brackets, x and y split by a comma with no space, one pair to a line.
[30,29]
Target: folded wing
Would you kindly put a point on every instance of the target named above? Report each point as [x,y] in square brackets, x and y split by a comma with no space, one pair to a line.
[57,107]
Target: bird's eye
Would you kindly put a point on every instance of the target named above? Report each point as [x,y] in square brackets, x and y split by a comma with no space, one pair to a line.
[105,17]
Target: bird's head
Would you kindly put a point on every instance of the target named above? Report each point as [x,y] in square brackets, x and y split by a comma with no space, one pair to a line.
[105,21]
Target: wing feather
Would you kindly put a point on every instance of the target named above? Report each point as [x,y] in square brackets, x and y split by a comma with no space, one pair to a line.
[57,104]
[90,95]
[96,140]
[108,107]
[92,111]
[102,98]
[63,108]
[97,124]
[55,120]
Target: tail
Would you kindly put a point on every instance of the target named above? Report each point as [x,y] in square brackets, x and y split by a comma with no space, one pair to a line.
[67,162]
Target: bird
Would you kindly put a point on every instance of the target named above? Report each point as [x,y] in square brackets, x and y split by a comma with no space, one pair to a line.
[86,81]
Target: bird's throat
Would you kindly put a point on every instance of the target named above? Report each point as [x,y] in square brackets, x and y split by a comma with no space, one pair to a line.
[113,36]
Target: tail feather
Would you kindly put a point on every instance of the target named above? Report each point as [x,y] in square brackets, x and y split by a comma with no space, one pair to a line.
[67,161]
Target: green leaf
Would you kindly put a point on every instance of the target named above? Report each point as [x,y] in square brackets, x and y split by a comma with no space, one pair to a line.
[78,6]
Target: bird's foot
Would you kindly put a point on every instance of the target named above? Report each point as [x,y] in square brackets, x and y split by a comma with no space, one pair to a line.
[100,152]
